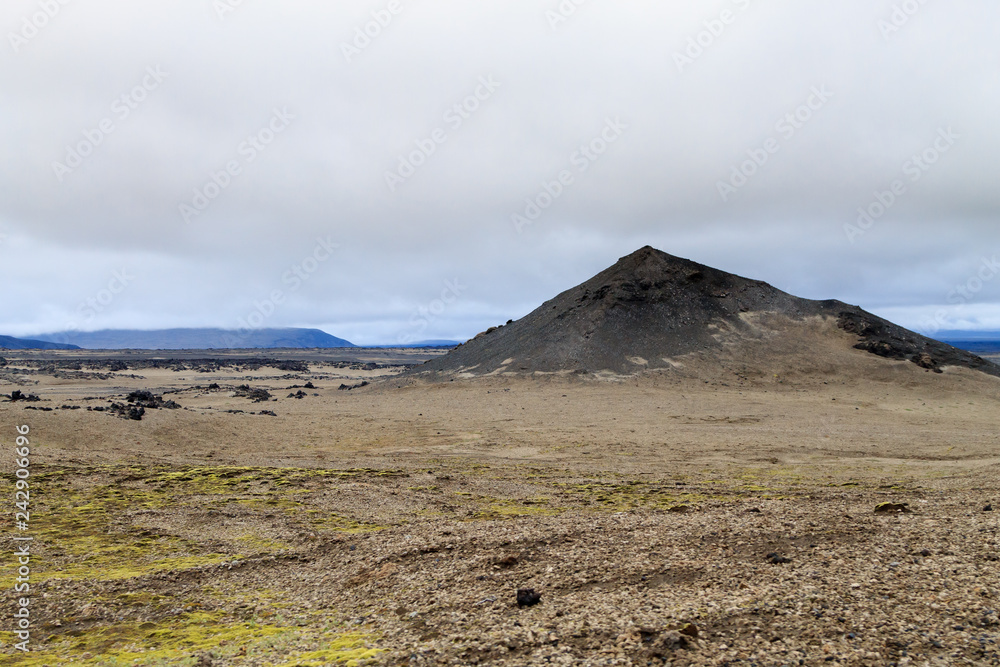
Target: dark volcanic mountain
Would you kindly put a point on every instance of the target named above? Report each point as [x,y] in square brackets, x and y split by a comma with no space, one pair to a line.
[653,310]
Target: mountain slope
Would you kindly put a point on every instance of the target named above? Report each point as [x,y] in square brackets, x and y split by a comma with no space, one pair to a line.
[198,339]
[651,308]
[10,343]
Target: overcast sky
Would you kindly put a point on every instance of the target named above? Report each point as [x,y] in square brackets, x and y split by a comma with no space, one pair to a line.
[373,168]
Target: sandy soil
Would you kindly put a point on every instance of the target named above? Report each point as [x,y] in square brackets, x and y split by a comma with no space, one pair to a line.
[689,518]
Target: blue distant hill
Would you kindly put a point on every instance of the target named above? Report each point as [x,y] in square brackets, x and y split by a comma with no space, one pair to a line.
[9,343]
[949,335]
[196,339]
[977,342]
[424,343]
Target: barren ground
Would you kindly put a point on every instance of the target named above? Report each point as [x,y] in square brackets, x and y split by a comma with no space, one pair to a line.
[393,523]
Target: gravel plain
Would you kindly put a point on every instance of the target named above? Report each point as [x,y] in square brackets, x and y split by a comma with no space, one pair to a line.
[663,521]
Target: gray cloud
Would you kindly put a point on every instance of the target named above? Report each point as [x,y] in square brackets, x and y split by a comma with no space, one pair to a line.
[323,176]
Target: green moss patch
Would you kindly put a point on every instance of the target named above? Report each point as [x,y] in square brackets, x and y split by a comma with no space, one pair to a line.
[182,640]
[90,523]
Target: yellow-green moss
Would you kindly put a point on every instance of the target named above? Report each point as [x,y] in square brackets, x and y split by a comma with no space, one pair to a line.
[335,523]
[180,640]
[350,649]
[87,530]
[505,507]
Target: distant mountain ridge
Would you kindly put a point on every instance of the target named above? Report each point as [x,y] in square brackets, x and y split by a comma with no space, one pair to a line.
[196,339]
[950,335]
[422,343]
[977,342]
[11,343]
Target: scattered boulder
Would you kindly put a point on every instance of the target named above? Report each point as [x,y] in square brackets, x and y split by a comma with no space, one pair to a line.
[775,558]
[133,412]
[353,386]
[269,413]
[689,629]
[146,399]
[506,563]
[141,396]
[255,394]
[988,508]
[16,396]
[299,394]
[291,366]
[527,597]
[661,645]
[136,404]
[895,508]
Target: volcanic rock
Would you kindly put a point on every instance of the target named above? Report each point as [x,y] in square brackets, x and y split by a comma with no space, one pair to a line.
[527,597]
[255,394]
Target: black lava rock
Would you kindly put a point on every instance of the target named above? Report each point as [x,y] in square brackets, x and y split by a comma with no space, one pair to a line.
[527,597]
[257,395]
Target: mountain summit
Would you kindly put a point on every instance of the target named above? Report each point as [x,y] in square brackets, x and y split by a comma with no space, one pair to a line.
[650,310]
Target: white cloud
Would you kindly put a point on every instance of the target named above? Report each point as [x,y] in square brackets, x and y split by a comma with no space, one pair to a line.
[324,175]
